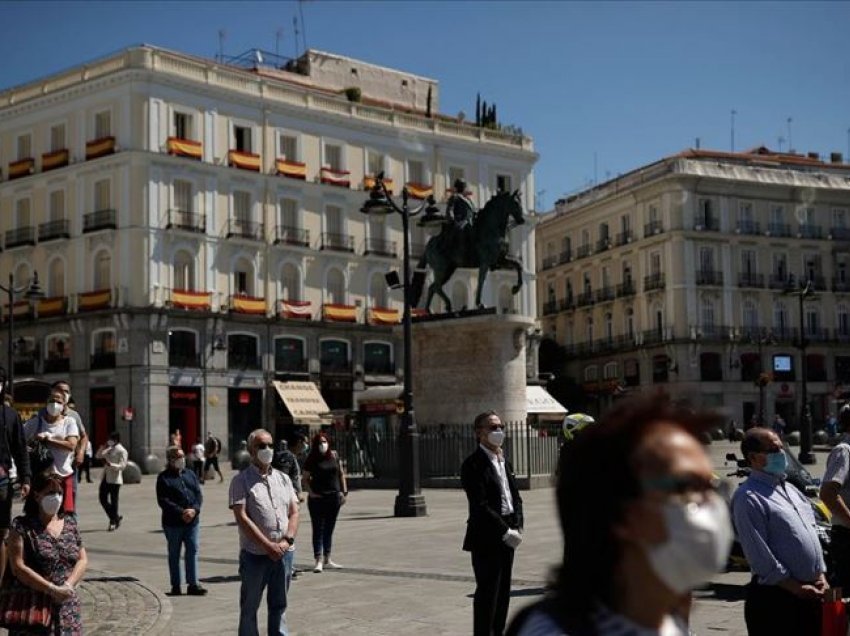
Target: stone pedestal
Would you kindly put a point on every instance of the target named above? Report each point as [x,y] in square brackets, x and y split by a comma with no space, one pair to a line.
[464,366]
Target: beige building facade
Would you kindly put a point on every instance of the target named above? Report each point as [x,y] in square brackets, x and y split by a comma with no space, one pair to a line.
[196,228]
[685,275]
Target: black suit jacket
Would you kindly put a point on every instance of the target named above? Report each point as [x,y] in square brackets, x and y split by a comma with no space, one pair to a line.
[485,526]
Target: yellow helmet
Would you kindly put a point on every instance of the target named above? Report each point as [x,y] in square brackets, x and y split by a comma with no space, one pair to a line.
[574,422]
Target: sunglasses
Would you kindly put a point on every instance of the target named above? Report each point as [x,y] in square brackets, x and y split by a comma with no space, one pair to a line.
[496,427]
[263,445]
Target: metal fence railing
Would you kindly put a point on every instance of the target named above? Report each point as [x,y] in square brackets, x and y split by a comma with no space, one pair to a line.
[533,452]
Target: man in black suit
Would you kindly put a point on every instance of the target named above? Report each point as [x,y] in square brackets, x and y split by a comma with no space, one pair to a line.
[494,527]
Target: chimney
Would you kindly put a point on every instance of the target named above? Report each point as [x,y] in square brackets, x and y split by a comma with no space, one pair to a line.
[836,157]
[813,155]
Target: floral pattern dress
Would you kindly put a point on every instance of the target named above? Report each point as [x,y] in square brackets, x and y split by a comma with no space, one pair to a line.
[54,559]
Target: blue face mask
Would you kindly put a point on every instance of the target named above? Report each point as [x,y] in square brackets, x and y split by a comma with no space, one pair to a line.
[776,463]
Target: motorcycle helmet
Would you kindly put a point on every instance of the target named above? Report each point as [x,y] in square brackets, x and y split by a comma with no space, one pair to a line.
[574,422]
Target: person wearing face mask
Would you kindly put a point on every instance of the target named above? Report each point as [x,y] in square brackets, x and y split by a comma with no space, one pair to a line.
[324,480]
[495,523]
[46,552]
[114,457]
[776,528]
[60,433]
[178,493]
[835,493]
[265,507]
[642,524]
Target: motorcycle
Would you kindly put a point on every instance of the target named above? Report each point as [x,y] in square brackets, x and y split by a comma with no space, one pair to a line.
[796,475]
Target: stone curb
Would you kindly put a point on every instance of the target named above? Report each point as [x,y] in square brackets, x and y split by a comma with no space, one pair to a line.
[99,589]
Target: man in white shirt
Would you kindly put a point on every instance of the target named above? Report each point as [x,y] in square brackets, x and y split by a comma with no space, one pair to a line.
[114,456]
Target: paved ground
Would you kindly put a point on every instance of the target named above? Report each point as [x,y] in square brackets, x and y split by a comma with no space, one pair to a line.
[402,576]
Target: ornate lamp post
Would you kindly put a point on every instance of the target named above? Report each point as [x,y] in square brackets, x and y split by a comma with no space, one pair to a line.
[31,290]
[806,455]
[409,502]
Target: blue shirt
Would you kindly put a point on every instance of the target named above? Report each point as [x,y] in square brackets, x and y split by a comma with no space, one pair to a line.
[776,528]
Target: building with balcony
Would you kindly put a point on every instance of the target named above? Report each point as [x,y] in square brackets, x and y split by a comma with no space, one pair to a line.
[196,227]
[704,297]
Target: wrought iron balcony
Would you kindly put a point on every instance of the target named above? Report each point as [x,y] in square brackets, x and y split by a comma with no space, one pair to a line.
[603,244]
[605,294]
[549,262]
[57,365]
[840,233]
[567,304]
[20,236]
[565,257]
[809,231]
[184,359]
[748,227]
[652,228]
[337,242]
[750,279]
[584,251]
[624,238]
[585,298]
[249,230]
[100,220]
[839,285]
[653,281]
[286,235]
[779,281]
[653,336]
[626,288]
[242,360]
[550,307]
[709,277]
[779,229]
[185,220]
[707,224]
[53,230]
[817,335]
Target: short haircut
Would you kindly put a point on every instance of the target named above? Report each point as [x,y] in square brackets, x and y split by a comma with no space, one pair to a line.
[171,452]
[253,435]
[56,384]
[754,440]
[115,436]
[844,417]
[482,418]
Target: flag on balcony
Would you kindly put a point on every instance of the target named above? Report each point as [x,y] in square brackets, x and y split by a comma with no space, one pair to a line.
[51,160]
[384,316]
[292,169]
[21,168]
[21,308]
[336,177]
[185,148]
[244,160]
[419,190]
[340,313]
[298,309]
[369,183]
[182,299]
[416,312]
[249,305]
[51,306]
[100,147]
[99,299]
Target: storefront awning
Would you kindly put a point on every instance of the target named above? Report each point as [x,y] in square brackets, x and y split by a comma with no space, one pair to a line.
[538,401]
[303,400]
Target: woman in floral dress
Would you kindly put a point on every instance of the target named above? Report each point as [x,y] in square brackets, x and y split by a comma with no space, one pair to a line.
[46,552]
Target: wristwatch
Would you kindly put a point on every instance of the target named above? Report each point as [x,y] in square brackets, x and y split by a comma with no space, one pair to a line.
[289,540]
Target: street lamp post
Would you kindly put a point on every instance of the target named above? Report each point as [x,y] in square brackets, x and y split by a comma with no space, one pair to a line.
[409,502]
[30,290]
[763,339]
[806,455]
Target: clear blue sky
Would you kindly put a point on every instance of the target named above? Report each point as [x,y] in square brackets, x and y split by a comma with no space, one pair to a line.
[626,82]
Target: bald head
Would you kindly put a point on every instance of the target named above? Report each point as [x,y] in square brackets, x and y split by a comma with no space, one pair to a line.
[756,442]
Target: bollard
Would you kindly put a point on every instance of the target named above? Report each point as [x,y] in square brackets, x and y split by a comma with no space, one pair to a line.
[132,473]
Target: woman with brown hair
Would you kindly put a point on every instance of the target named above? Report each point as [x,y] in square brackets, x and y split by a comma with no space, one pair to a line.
[324,480]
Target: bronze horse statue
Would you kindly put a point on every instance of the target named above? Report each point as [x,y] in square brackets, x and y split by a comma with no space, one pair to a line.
[482,245]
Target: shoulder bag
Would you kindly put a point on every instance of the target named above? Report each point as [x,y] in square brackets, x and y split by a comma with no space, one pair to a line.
[23,608]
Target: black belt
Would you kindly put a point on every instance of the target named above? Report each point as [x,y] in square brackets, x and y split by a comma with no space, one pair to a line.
[510,519]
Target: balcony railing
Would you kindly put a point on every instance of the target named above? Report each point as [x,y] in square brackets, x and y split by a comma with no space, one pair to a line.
[244,160]
[583,251]
[653,336]
[839,285]
[550,307]
[54,230]
[55,159]
[549,262]
[818,283]
[184,359]
[818,335]
[249,230]
[652,228]
[20,236]
[605,294]
[778,281]
[57,365]
[286,235]
[840,234]
[809,231]
[337,242]
[653,281]
[748,227]
[100,220]
[100,147]
[185,220]
[585,299]
[624,238]
[749,279]
[565,257]
[603,244]
[707,224]
[103,360]
[709,277]
[380,247]
[567,304]
[779,229]
[21,168]
[626,288]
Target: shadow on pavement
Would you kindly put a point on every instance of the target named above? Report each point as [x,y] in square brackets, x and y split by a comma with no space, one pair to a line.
[722,592]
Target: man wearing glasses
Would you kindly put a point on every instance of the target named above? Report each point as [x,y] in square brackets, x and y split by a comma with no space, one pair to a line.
[776,527]
[494,527]
[265,506]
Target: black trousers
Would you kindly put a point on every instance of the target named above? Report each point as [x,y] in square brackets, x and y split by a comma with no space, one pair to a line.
[839,556]
[771,611]
[85,467]
[492,570]
[108,494]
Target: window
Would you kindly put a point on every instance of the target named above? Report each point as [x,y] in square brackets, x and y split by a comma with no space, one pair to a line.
[333,219]
[625,224]
[183,125]
[58,348]
[183,348]
[589,330]
[290,282]
[415,171]
[184,271]
[780,318]
[777,215]
[631,372]
[336,287]
[710,367]
[748,262]
[24,147]
[812,266]
[102,195]
[585,238]
[289,355]
[812,321]
[839,218]
[660,368]
[242,138]
[183,196]
[378,358]
[816,367]
[591,373]
[22,213]
[606,277]
[630,323]
[750,316]
[745,214]
[504,183]
[289,213]
[102,278]
[842,369]
[706,259]
[750,367]
[807,216]
[780,266]
[56,278]
[705,215]
[56,205]
[57,137]
[655,263]
[707,316]
[333,355]
[243,279]
[654,216]
[103,124]
[333,157]
[611,371]
[609,327]
[103,349]
[842,320]
[374,163]
[455,173]
[288,147]
[242,352]
[378,290]
[603,232]
[242,209]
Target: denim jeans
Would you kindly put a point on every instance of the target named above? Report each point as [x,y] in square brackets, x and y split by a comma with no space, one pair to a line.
[257,572]
[177,536]
[289,566]
[323,513]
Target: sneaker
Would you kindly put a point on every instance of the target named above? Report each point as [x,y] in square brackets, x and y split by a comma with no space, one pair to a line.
[196,590]
[118,522]
[318,567]
[111,527]
[331,565]
[175,591]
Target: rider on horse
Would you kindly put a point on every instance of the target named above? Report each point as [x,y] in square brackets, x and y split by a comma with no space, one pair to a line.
[461,210]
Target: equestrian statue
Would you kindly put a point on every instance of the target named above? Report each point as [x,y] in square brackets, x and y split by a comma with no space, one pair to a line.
[470,239]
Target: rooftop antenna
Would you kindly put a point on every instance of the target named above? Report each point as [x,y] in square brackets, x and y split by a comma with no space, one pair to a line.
[303,26]
[780,140]
[295,28]
[732,130]
[697,143]
[595,179]
[790,143]
[221,36]
[277,36]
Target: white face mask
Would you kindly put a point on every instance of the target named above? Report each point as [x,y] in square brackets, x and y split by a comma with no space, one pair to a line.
[51,503]
[54,408]
[180,463]
[265,456]
[323,448]
[2,384]
[496,438]
[699,536]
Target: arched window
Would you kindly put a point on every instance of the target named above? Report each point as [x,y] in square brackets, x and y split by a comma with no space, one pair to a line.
[56,278]
[611,371]
[378,290]
[243,278]
[335,287]
[459,296]
[58,358]
[22,274]
[183,348]
[707,316]
[102,278]
[184,271]
[591,373]
[243,351]
[750,316]
[290,281]
[780,318]
[103,349]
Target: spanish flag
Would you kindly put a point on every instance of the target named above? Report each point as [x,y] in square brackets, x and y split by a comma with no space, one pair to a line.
[182,299]
[100,147]
[340,313]
[100,299]
[185,148]
[249,305]
[384,316]
[244,160]
[419,190]
[340,178]
[51,306]
[369,183]
[297,309]
[292,169]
